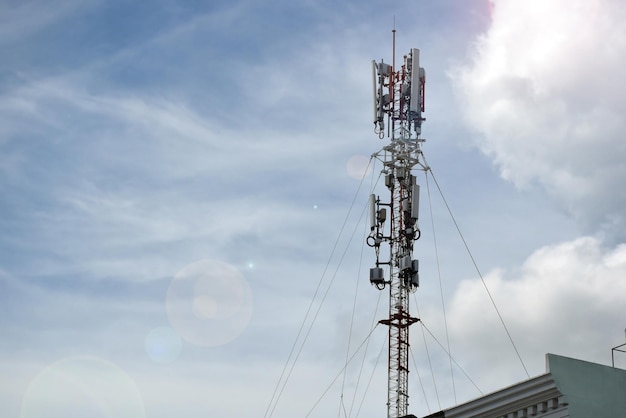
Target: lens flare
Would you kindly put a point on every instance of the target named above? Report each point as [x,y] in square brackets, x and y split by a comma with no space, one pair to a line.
[82,386]
[163,345]
[358,167]
[209,303]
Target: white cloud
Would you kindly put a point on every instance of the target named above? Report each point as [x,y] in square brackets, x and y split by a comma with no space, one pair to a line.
[567,299]
[26,18]
[142,172]
[544,91]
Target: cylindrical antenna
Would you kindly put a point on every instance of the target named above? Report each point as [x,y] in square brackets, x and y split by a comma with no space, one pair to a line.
[393,54]
[392,81]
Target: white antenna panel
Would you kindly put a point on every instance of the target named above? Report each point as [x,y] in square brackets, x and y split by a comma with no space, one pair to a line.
[416,85]
[375,91]
[415,203]
[384,69]
[380,71]
[372,212]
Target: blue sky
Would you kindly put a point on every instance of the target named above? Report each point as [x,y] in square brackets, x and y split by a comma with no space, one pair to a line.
[175,176]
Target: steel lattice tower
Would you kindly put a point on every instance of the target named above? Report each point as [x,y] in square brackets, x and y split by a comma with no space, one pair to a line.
[398,102]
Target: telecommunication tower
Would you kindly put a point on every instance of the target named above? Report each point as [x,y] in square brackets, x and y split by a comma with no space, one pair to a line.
[398,107]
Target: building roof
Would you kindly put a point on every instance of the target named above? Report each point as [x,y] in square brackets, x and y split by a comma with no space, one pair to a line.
[570,388]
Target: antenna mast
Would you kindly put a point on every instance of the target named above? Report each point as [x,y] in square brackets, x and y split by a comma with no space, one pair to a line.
[399,102]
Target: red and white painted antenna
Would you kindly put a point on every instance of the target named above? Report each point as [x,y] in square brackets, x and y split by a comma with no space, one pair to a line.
[398,104]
